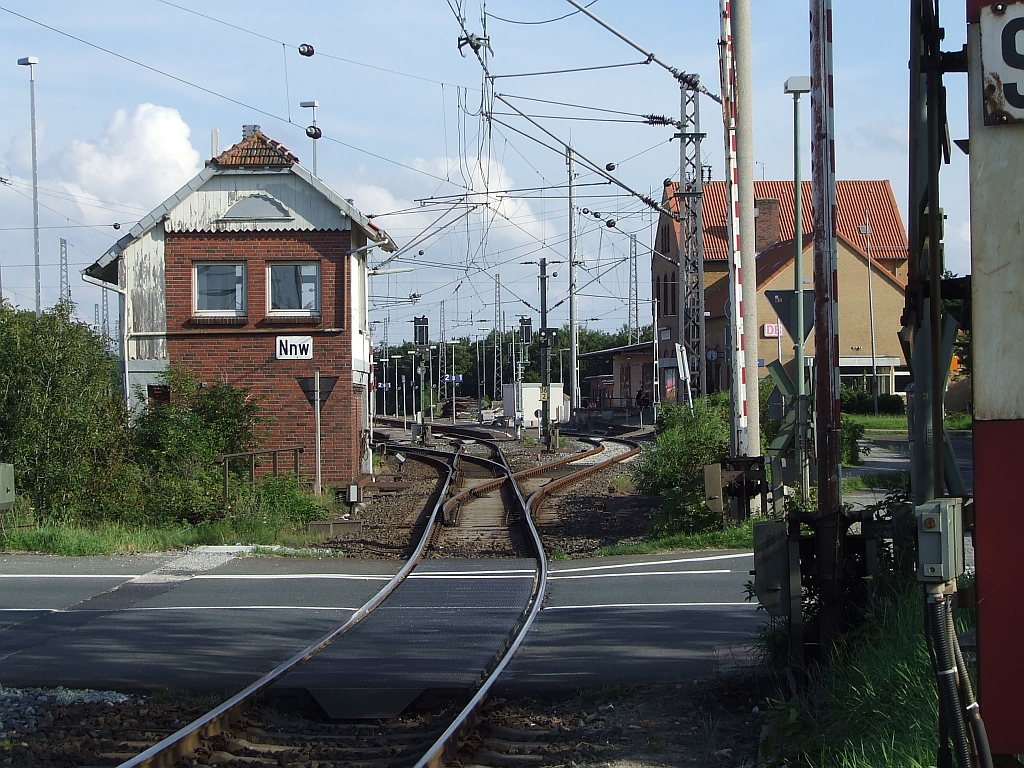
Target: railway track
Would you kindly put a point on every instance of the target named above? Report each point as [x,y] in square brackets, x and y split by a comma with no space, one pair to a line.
[438,614]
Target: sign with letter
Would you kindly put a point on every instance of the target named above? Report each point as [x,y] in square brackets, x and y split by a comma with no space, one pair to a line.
[1002,63]
[294,347]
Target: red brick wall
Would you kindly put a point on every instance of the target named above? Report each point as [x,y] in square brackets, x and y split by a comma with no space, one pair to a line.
[243,354]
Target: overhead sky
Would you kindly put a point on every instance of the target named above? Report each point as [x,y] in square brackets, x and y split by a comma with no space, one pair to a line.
[120,129]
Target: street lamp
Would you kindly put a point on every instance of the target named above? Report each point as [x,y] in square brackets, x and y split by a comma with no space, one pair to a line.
[797,86]
[396,358]
[312,131]
[412,375]
[866,231]
[30,62]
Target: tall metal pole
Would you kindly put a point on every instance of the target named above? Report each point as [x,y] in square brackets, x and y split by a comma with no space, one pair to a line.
[634,301]
[738,442]
[574,363]
[866,229]
[30,62]
[829,525]
[745,166]
[545,351]
[798,86]
[316,417]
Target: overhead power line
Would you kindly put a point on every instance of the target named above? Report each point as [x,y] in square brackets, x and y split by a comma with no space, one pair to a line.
[217,94]
[534,23]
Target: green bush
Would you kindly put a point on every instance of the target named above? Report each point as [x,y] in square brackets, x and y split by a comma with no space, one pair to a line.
[861,402]
[850,433]
[177,443]
[63,424]
[674,467]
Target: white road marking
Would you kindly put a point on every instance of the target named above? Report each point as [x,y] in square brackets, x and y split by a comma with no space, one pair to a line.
[186,608]
[125,576]
[288,576]
[648,605]
[642,573]
[656,562]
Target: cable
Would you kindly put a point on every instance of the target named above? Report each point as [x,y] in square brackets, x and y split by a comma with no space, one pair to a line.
[295,47]
[971,709]
[570,71]
[211,92]
[945,672]
[574,106]
[533,23]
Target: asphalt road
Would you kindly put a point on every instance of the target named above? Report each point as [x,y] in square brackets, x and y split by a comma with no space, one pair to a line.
[210,621]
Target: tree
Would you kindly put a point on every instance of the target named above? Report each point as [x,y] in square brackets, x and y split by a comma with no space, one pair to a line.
[63,422]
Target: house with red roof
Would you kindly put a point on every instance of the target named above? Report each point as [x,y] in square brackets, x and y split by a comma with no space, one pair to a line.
[255,274]
[859,202]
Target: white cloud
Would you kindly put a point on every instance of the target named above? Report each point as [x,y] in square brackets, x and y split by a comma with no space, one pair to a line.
[141,159]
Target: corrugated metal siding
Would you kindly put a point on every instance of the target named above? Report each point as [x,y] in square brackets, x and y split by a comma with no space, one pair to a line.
[143,262]
[202,210]
[888,237]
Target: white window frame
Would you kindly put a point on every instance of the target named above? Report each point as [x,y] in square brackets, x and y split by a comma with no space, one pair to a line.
[295,312]
[197,312]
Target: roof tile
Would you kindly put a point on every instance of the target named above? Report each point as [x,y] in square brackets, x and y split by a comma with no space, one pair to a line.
[888,237]
[255,151]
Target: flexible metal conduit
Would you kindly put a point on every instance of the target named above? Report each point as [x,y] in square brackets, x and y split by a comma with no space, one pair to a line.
[184,741]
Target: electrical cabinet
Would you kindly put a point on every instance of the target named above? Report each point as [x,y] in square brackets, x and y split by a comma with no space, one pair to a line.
[6,487]
[940,540]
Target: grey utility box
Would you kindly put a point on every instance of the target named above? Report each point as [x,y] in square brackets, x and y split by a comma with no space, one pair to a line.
[940,540]
[6,487]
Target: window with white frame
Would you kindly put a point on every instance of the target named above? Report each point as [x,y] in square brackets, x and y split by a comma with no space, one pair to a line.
[219,289]
[294,288]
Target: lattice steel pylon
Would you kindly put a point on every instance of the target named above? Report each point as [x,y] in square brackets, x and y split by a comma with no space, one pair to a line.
[690,194]
[65,284]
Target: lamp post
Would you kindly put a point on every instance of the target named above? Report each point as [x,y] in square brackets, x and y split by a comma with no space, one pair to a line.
[396,358]
[797,86]
[412,375]
[866,231]
[312,131]
[30,62]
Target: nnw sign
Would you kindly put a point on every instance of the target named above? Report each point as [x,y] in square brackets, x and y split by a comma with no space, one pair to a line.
[294,347]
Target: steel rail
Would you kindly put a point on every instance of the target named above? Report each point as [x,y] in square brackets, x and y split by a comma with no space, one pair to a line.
[451,507]
[447,743]
[167,752]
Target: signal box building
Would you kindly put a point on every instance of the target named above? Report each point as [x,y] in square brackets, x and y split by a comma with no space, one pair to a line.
[254,274]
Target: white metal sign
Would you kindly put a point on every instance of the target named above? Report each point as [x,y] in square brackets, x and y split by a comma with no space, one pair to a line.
[294,347]
[1002,62]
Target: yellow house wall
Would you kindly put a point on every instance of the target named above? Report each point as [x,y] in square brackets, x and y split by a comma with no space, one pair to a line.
[854,318]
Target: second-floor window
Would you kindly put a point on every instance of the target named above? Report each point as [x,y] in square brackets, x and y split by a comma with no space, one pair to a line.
[219,289]
[294,288]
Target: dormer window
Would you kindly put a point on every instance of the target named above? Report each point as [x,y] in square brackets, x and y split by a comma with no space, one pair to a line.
[294,288]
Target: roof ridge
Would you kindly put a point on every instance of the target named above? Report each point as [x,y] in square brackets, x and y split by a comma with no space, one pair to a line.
[255,151]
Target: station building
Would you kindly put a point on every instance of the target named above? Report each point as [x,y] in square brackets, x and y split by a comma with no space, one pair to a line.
[858,202]
[255,274]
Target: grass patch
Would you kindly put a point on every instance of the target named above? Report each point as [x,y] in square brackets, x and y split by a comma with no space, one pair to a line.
[889,481]
[740,536]
[899,423]
[876,704]
[872,422]
[112,539]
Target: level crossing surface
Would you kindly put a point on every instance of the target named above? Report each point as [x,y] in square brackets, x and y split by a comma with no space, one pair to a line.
[154,621]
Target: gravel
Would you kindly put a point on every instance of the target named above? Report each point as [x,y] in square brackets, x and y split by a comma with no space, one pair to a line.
[25,710]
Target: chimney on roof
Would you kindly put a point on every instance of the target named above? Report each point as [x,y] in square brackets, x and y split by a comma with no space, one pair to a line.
[767,225]
[249,130]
